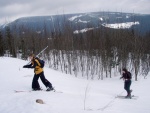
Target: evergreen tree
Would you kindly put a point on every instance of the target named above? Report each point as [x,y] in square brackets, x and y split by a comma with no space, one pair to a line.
[1,45]
[10,42]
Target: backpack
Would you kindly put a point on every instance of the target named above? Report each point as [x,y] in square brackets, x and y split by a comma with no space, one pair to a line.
[42,62]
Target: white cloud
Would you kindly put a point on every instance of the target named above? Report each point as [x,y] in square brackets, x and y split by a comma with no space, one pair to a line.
[17,8]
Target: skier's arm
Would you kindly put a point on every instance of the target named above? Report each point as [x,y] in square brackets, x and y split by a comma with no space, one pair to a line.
[28,66]
[122,76]
[32,65]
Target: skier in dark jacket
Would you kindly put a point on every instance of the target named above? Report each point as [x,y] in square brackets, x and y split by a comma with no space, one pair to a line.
[127,81]
[38,73]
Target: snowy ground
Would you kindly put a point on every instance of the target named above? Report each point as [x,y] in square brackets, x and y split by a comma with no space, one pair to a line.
[100,95]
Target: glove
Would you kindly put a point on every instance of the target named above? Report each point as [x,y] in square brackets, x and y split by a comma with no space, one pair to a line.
[25,66]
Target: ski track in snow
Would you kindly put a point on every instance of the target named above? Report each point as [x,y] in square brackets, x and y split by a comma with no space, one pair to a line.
[100,95]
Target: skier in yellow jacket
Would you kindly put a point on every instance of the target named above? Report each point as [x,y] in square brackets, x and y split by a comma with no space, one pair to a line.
[38,70]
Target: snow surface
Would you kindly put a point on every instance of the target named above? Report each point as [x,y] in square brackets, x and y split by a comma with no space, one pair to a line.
[82,30]
[83,21]
[101,19]
[121,25]
[74,17]
[100,94]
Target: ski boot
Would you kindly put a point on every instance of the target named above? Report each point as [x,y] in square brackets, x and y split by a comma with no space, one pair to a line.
[129,95]
[36,89]
[49,88]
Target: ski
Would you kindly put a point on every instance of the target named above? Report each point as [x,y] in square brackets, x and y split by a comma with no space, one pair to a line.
[124,97]
[57,91]
[21,91]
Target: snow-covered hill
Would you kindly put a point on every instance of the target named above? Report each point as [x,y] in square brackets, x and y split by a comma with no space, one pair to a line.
[80,21]
[100,95]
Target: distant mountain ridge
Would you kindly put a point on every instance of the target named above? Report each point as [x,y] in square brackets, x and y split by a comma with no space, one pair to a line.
[82,22]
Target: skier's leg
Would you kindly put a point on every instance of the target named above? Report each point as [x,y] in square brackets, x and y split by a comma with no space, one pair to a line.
[125,86]
[128,87]
[45,81]
[35,83]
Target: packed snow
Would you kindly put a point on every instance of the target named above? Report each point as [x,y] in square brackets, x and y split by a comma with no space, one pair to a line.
[79,95]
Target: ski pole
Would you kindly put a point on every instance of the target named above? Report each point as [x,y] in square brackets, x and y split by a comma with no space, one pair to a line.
[40,52]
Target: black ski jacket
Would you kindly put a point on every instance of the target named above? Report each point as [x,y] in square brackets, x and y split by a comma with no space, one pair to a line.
[126,76]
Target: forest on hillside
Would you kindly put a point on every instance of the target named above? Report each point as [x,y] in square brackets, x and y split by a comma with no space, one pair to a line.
[94,54]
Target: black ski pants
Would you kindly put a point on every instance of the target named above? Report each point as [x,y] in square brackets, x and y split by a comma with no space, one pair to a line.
[35,83]
[127,85]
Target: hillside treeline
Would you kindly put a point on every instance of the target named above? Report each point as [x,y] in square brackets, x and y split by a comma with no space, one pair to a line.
[95,54]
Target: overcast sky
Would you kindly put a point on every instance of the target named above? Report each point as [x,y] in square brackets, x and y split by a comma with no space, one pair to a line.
[13,9]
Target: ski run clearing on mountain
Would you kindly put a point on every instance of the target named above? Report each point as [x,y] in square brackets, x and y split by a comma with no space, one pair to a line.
[126,25]
[79,95]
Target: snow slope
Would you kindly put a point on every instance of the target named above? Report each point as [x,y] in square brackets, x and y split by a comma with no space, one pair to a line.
[100,95]
[126,25]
